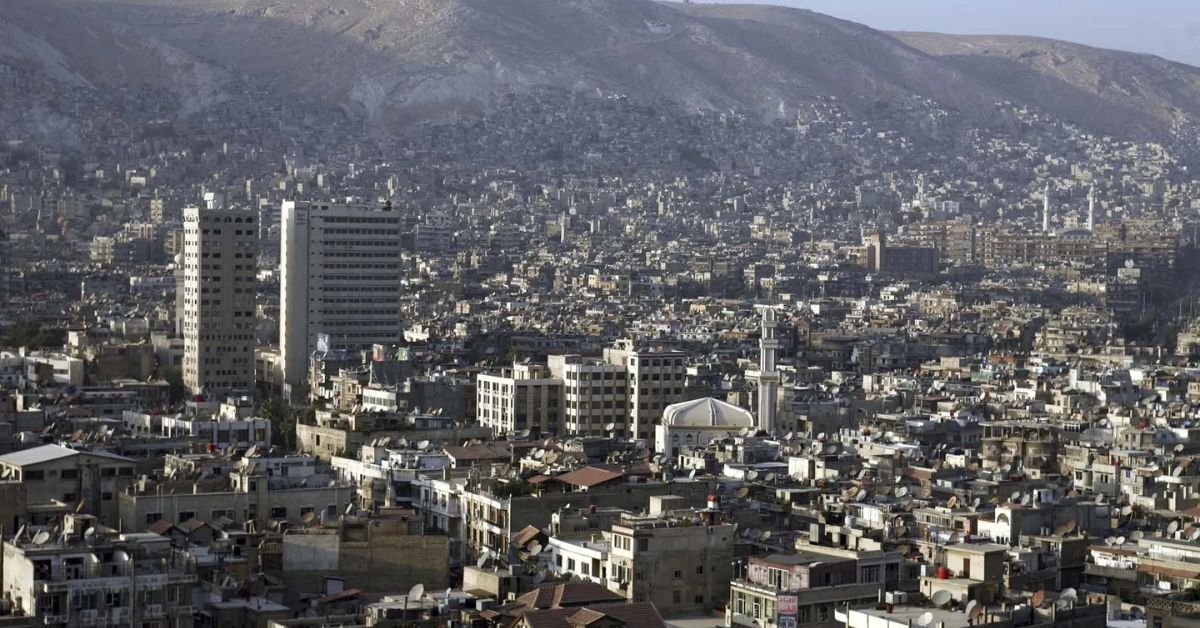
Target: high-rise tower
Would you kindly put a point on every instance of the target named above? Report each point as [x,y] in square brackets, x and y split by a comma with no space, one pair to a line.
[340,276]
[218,300]
[1046,209]
[1091,221]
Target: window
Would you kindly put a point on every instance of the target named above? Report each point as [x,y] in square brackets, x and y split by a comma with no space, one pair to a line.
[279,512]
[643,545]
[186,515]
[699,599]
[106,496]
[34,475]
[152,517]
[676,598]
[678,574]
[699,569]
[70,474]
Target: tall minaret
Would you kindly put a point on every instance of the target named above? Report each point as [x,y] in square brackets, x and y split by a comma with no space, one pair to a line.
[768,379]
[1091,223]
[1046,209]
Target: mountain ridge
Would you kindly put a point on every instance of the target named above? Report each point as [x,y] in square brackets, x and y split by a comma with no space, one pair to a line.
[404,61]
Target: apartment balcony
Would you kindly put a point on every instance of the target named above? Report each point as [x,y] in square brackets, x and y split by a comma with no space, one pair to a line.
[1111,572]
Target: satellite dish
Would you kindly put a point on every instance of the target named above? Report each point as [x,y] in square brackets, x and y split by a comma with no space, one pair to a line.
[692,474]
[1100,499]
[975,504]
[743,492]
[1069,595]
[1121,539]
[1015,497]
[89,533]
[925,619]
[765,535]
[1062,605]
[308,517]
[744,432]
[423,445]
[901,491]
[250,453]
[952,502]
[417,591]
[609,427]
[789,436]
[1038,598]
[1178,448]
[1173,527]
[941,597]
[20,532]
[550,457]
[1137,535]
[974,609]
[852,492]
[831,449]
[538,454]
[482,561]
[539,578]
[41,537]
[752,475]
[1025,500]
[821,436]
[1177,471]
[1112,540]
[535,548]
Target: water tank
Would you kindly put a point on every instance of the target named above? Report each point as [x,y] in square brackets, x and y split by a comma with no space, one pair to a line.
[943,573]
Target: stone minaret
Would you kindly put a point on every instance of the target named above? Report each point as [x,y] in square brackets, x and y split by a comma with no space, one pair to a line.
[768,379]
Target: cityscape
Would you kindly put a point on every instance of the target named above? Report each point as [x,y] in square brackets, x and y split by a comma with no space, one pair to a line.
[585,356]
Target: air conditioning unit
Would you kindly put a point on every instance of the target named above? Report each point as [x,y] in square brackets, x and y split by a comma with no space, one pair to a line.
[896,597]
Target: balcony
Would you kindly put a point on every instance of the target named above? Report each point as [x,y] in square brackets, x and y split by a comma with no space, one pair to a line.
[152,611]
[1115,573]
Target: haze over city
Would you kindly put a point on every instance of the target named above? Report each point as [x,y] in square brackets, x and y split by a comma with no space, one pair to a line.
[599,314]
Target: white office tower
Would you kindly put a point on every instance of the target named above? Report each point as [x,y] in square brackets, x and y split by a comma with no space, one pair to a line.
[340,276]
[768,378]
[1091,223]
[1046,209]
[218,300]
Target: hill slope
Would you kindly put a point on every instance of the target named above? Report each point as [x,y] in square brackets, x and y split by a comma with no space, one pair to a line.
[402,60]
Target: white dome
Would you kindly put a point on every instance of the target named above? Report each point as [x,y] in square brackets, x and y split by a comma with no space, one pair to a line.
[707,412]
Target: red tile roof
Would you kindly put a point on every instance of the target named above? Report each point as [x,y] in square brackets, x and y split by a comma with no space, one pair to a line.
[632,615]
[589,476]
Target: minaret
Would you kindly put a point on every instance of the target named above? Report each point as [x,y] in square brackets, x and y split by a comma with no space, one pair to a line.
[1046,210]
[768,379]
[1091,223]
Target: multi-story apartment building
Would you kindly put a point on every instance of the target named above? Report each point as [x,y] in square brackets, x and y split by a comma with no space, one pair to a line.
[340,280]
[90,577]
[523,398]
[595,394]
[655,380]
[218,303]
[53,474]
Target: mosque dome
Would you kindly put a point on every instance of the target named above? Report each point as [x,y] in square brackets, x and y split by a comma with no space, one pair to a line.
[707,412]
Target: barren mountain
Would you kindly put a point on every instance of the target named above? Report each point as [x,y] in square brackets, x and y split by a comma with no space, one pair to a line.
[402,60]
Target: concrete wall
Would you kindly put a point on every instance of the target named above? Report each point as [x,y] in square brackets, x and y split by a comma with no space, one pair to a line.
[389,561]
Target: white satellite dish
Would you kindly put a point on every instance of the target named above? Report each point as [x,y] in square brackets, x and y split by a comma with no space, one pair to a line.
[752,475]
[692,474]
[766,535]
[538,453]
[1112,540]
[41,537]
[941,597]
[902,491]
[417,591]
[973,609]
[609,427]
[1069,594]
[1173,527]
[1121,539]
[925,619]
[535,548]
[423,445]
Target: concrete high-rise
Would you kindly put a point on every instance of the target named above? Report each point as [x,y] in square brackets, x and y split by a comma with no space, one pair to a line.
[218,300]
[340,276]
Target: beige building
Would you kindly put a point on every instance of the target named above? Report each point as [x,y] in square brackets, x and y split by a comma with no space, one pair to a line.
[595,394]
[523,398]
[56,479]
[655,380]
[218,300]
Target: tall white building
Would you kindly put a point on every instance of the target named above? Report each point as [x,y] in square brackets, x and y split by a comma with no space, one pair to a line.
[340,274]
[218,302]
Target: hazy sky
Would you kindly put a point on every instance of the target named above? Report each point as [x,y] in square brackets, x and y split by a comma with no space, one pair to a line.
[1169,28]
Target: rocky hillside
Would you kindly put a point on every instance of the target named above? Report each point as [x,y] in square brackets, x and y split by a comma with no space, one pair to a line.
[396,61]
